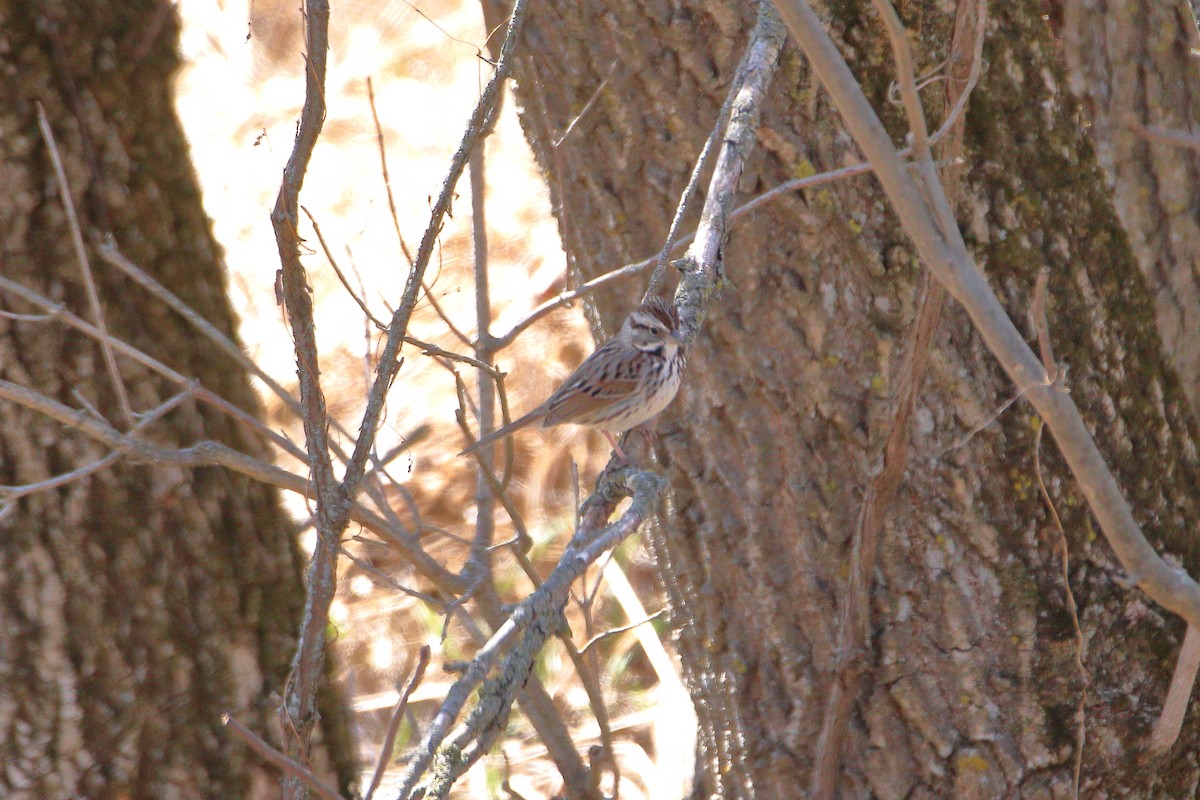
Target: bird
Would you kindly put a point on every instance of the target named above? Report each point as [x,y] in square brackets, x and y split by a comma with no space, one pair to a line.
[627,381]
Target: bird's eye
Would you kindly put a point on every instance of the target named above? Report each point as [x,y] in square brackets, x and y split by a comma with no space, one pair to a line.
[655,330]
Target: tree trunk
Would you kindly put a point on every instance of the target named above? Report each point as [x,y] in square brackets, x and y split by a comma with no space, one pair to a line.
[138,603]
[1153,182]
[968,685]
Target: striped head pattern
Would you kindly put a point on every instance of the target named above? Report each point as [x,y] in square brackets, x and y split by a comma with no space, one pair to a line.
[653,328]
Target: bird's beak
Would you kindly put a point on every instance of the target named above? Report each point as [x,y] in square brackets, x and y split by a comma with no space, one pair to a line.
[677,335]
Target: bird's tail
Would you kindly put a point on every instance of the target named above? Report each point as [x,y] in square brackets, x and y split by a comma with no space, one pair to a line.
[507,430]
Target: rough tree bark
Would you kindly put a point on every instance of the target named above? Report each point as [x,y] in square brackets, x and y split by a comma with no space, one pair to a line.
[969,685]
[1132,65]
[140,603]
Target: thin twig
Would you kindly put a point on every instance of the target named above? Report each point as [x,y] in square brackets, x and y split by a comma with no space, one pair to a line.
[688,195]
[64,191]
[479,564]
[587,667]
[433,350]
[26,317]
[995,415]
[214,454]
[564,299]
[612,69]
[10,493]
[497,487]
[1167,136]
[114,257]
[202,394]
[1041,325]
[1183,679]
[386,579]
[383,167]
[441,312]
[398,327]
[915,111]
[1072,611]
[278,759]
[600,637]
[389,739]
[534,619]
[589,677]
[359,301]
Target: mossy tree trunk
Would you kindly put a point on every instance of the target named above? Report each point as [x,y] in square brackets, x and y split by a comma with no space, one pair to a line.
[969,685]
[139,603]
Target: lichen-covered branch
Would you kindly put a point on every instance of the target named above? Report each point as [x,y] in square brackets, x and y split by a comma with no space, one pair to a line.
[701,265]
[444,755]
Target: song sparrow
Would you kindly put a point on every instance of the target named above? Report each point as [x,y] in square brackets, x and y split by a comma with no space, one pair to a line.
[630,379]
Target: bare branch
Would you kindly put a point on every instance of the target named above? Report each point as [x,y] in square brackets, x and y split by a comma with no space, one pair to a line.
[210,454]
[600,637]
[1042,326]
[199,392]
[485,503]
[1072,611]
[397,329]
[299,709]
[26,317]
[85,266]
[389,739]
[278,759]
[612,70]
[11,493]
[383,167]
[433,350]
[701,265]
[359,301]
[1170,720]
[564,299]
[496,486]
[386,579]
[689,194]
[1167,136]
[588,676]
[531,623]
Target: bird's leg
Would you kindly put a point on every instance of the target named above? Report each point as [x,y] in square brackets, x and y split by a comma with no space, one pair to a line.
[612,440]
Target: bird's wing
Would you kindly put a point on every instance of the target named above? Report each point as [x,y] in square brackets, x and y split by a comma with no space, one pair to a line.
[583,407]
[585,395]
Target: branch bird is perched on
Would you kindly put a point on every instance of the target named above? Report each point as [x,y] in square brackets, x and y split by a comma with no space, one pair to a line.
[630,379]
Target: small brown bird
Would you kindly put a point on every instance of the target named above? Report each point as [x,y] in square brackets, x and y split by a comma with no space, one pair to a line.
[630,379]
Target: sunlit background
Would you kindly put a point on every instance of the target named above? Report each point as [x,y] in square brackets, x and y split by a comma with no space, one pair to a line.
[239,97]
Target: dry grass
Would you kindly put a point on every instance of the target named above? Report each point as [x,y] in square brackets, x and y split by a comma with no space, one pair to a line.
[239,101]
